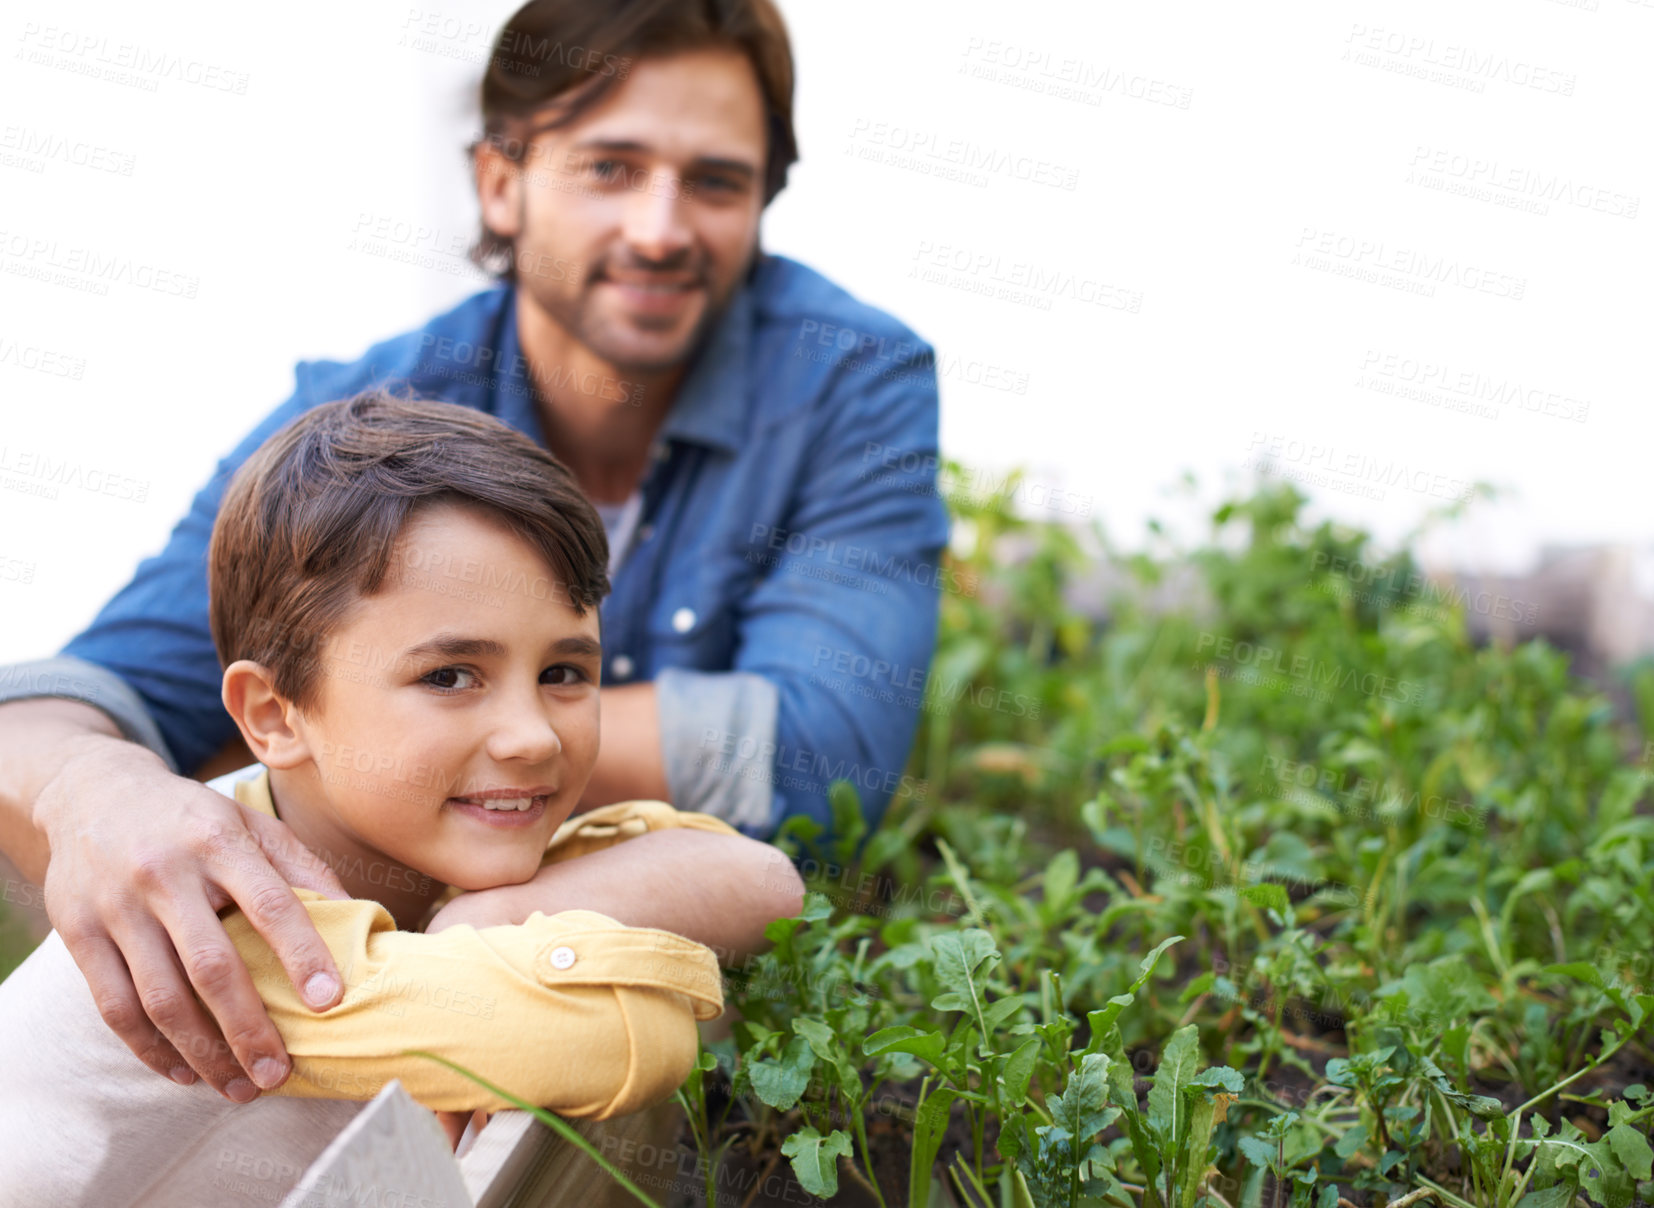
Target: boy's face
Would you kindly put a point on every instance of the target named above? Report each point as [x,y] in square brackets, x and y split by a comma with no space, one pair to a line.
[467,678]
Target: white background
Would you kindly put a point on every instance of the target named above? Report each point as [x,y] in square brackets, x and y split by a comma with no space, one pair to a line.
[1301,128]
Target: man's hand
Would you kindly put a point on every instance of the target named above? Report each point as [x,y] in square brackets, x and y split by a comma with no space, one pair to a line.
[141,862]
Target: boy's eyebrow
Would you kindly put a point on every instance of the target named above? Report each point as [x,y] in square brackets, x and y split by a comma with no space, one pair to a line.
[579,645]
[453,646]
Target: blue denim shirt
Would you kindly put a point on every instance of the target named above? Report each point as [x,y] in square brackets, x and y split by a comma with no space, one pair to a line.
[781,589]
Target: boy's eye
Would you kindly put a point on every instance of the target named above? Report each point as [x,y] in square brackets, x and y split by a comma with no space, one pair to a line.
[562,675]
[606,169]
[449,679]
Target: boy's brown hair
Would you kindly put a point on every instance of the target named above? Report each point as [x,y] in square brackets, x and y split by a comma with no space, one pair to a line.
[309,522]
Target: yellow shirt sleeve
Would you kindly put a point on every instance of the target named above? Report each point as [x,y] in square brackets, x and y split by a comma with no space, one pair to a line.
[574,1011]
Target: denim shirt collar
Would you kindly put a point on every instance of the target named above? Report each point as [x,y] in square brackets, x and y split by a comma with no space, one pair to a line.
[712,402]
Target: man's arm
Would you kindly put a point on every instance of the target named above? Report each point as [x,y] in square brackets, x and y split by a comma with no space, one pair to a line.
[136,862]
[629,765]
[835,641]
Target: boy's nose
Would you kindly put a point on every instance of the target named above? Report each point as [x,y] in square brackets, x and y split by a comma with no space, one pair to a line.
[524,734]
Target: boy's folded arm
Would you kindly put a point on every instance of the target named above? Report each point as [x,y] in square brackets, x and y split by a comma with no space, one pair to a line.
[577,1013]
[715,887]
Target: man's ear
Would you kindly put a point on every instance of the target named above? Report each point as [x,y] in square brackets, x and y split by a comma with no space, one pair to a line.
[267,721]
[499,190]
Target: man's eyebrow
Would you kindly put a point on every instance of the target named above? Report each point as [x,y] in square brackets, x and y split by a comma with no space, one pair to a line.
[631,146]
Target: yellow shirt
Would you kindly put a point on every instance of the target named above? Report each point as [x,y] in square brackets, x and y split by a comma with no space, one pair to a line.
[573,1011]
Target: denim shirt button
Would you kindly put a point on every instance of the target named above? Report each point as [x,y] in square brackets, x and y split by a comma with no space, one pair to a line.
[645,531]
[683,620]
[621,665]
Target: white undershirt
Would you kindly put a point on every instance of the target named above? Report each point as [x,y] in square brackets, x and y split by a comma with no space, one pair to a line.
[620,523]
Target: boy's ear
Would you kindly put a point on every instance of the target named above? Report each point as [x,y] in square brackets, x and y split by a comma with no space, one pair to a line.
[267,721]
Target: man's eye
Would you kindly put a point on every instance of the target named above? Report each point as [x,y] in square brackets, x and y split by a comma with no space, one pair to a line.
[448,679]
[721,184]
[562,675]
[606,169]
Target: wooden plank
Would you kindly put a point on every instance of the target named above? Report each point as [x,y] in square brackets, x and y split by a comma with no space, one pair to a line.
[393,1152]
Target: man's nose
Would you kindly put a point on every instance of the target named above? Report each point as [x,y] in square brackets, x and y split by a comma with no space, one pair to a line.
[655,227]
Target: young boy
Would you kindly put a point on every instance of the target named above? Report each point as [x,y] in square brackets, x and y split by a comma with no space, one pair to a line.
[405,596]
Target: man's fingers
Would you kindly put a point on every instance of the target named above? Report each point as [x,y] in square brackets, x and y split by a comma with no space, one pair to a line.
[296,863]
[219,975]
[117,1001]
[277,914]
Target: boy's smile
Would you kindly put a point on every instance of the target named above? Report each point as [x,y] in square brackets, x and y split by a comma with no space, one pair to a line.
[457,721]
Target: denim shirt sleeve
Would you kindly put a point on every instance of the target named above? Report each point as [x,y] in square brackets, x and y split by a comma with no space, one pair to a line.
[844,621]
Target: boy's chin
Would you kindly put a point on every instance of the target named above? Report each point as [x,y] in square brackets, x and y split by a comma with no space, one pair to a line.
[491,873]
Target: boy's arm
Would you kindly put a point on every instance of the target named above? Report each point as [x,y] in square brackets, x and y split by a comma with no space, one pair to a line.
[575,1012]
[715,887]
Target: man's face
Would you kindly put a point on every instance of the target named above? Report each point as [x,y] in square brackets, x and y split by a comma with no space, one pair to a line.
[636,224]
[466,684]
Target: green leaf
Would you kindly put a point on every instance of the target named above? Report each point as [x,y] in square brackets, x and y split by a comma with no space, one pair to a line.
[1632,1149]
[1015,1076]
[905,1039]
[1222,1078]
[822,1039]
[962,961]
[1559,1196]
[815,1159]
[1259,1153]
[1178,1063]
[1268,895]
[930,1126]
[780,1084]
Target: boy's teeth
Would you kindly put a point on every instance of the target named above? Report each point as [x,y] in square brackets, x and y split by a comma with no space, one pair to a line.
[509,803]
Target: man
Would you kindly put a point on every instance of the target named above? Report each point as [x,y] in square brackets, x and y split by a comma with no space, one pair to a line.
[761,445]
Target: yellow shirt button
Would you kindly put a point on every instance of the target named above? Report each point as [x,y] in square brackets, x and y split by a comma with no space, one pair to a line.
[562,958]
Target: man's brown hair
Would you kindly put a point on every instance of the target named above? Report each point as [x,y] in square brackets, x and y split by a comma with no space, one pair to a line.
[310,522]
[576,51]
